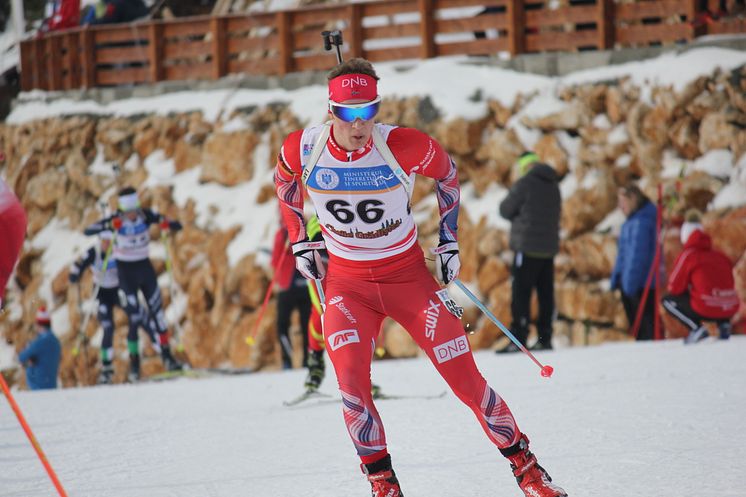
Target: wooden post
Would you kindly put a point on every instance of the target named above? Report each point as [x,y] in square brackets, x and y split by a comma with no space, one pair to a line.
[516,29]
[27,66]
[692,13]
[605,23]
[73,61]
[54,68]
[219,47]
[285,35]
[40,61]
[355,30]
[427,29]
[155,51]
[87,58]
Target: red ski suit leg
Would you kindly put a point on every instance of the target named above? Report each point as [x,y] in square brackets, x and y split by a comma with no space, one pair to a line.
[355,309]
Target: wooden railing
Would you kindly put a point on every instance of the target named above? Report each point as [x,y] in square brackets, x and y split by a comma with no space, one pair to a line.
[289,41]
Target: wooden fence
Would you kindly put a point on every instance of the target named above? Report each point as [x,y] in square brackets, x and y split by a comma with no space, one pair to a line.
[279,43]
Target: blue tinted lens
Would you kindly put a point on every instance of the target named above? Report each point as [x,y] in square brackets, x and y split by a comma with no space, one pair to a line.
[350,114]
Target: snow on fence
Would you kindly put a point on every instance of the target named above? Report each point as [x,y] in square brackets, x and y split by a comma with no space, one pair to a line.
[282,42]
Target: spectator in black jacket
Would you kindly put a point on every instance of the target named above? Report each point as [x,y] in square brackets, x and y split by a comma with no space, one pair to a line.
[533,207]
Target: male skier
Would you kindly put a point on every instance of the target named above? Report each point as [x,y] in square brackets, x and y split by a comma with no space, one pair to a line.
[359,177]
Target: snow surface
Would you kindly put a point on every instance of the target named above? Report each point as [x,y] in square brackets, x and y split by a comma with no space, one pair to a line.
[617,420]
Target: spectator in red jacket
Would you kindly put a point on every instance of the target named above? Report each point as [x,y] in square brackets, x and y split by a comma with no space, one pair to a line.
[61,14]
[701,286]
[293,295]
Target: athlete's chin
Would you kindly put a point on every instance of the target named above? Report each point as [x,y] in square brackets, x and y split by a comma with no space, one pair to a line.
[358,141]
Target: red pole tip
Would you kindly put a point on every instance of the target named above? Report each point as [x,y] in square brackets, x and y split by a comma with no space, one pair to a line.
[546,371]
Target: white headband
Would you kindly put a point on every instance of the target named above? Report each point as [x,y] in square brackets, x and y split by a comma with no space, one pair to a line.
[129,202]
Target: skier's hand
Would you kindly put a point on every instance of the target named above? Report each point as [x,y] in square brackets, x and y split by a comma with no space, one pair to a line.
[74,275]
[308,259]
[447,263]
[116,223]
[167,225]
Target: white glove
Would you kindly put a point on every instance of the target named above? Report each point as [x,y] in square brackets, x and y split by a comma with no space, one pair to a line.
[308,259]
[447,262]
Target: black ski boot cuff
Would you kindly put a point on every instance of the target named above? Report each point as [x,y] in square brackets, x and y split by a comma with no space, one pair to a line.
[383,464]
[514,449]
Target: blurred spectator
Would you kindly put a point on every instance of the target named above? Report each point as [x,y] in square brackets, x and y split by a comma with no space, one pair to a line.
[533,208]
[701,286]
[41,357]
[116,11]
[636,250]
[293,295]
[61,14]
[13,229]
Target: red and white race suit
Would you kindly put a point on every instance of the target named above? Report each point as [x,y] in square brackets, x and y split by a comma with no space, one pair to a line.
[377,269]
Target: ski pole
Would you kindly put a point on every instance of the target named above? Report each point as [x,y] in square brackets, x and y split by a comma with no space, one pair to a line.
[320,291]
[546,371]
[171,283]
[32,438]
[251,339]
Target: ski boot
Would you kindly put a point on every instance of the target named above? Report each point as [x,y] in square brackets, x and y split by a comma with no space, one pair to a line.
[169,362]
[531,478]
[383,482]
[106,376]
[134,373]
[316,370]
[724,329]
[697,335]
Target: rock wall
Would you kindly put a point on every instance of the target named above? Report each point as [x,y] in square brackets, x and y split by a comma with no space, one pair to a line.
[607,135]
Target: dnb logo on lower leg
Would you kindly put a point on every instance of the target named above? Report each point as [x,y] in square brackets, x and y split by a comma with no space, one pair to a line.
[342,338]
[453,348]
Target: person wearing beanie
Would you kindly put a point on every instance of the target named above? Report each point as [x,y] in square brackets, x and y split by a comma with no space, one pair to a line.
[533,208]
[130,225]
[107,296]
[13,229]
[41,357]
[701,286]
[635,254]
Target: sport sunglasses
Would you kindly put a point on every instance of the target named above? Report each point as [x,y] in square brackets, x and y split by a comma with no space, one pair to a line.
[349,112]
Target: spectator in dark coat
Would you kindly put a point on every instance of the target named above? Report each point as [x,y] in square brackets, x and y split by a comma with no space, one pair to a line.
[701,286]
[41,357]
[293,295]
[533,207]
[117,11]
[635,253]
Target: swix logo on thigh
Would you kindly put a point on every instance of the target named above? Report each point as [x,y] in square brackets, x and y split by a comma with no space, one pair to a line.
[451,349]
[342,338]
[431,319]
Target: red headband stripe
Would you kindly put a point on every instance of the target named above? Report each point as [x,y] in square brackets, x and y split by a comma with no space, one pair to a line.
[353,87]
